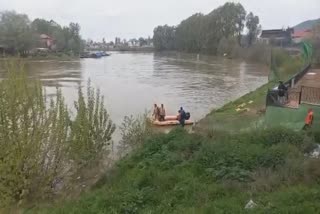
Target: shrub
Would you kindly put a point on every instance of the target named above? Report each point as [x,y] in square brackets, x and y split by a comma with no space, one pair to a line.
[33,138]
[134,132]
[38,140]
[91,129]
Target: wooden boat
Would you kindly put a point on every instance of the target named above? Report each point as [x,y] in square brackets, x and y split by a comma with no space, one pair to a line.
[170,120]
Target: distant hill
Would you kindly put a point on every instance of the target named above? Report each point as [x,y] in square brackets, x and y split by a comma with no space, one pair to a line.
[306,25]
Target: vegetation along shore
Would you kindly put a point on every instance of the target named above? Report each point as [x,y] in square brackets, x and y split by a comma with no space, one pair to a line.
[237,159]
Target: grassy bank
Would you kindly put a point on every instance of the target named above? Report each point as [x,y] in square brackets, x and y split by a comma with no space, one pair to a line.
[229,160]
[248,111]
[50,56]
[192,173]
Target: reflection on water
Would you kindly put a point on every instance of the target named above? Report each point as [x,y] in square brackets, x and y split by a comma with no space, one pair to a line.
[132,82]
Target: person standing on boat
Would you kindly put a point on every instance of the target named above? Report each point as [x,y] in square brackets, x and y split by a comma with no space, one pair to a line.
[162,113]
[182,117]
[156,112]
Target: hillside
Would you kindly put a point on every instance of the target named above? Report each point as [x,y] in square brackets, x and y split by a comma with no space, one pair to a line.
[306,24]
[190,173]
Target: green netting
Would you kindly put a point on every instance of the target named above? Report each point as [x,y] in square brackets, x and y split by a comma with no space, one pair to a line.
[307,51]
[291,118]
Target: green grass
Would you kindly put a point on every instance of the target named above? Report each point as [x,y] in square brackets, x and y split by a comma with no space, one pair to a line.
[291,118]
[231,158]
[190,173]
[228,119]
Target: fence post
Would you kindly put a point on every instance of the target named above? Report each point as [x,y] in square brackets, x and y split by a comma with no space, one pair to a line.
[292,82]
[300,97]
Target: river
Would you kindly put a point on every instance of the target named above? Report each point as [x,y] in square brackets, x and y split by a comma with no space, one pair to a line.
[133,82]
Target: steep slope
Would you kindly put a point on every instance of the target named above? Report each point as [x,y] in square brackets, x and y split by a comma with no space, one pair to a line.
[306,25]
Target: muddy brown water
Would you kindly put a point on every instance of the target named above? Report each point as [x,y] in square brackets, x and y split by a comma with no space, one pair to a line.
[132,82]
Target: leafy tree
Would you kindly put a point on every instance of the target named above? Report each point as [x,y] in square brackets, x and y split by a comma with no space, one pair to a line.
[142,41]
[190,33]
[230,18]
[41,26]
[241,18]
[203,33]
[315,41]
[253,27]
[60,39]
[74,40]
[20,35]
[40,144]
[164,37]
[92,128]
[15,31]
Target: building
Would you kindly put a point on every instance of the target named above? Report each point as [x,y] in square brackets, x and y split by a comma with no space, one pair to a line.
[47,42]
[133,43]
[117,41]
[277,37]
[299,36]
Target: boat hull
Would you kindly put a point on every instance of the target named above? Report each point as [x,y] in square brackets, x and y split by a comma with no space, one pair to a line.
[170,123]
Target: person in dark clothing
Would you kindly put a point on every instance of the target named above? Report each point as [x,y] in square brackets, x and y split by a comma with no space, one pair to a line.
[182,116]
[282,92]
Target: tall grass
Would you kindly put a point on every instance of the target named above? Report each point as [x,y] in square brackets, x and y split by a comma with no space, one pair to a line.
[190,173]
[134,131]
[40,144]
[91,130]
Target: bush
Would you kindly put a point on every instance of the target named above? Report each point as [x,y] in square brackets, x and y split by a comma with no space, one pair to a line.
[134,132]
[236,156]
[258,53]
[227,46]
[181,172]
[91,129]
[33,138]
[39,143]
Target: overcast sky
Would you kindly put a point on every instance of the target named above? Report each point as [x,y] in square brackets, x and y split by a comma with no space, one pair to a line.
[135,18]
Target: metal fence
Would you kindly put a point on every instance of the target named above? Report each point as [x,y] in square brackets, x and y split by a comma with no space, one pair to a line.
[310,95]
[293,80]
[293,97]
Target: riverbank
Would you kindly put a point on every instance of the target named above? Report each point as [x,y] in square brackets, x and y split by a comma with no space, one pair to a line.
[247,112]
[227,162]
[192,173]
[37,58]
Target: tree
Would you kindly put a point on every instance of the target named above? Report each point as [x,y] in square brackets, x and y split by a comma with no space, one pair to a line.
[241,18]
[230,19]
[164,37]
[15,31]
[74,40]
[315,41]
[142,41]
[203,33]
[40,26]
[190,33]
[253,27]
[61,41]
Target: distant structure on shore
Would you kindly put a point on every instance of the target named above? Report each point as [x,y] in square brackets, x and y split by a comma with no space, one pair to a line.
[285,37]
[141,44]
